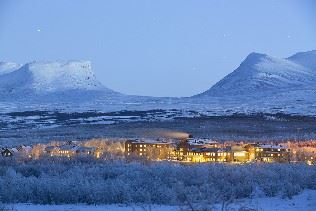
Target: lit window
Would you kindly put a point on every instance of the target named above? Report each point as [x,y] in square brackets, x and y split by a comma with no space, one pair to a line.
[140,154]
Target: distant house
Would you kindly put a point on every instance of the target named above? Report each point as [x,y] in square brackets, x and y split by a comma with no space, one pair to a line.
[81,150]
[50,149]
[24,149]
[7,152]
[67,150]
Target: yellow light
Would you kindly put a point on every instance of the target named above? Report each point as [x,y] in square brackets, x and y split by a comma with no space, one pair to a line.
[239,154]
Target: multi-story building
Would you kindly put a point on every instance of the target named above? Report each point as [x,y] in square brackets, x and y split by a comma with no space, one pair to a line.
[187,149]
[269,153]
[209,155]
[149,149]
[239,154]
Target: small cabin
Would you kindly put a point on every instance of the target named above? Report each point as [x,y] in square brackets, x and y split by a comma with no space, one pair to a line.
[7,153]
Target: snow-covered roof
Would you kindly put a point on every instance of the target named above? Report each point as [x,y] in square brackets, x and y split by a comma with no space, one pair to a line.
[192,141]
[68,147]
[151,141]
[83,148]
[270,146]
[205,149]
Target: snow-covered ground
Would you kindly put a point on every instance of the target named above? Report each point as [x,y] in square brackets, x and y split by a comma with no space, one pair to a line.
[306,201]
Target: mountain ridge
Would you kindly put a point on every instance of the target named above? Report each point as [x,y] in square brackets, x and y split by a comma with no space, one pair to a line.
[263,73]
[42,78]
[261,83]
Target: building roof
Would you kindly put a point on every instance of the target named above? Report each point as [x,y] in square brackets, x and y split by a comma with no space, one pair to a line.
[150,141]
[270,146]
[83,148]
[205,149]
[68,147]
[193,141]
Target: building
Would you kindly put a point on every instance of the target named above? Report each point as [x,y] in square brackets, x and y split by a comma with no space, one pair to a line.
[84,151]
[6,152]
[191,149]
[208,155]
[201,143]
[269,153]
[240,154]
[149,149]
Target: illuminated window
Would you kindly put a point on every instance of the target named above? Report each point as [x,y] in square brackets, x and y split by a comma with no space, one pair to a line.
[239,154]
[141,145]
[141,150]
[144,145]
[140,154]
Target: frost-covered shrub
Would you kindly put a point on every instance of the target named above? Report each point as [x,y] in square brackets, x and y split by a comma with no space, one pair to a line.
[56,181]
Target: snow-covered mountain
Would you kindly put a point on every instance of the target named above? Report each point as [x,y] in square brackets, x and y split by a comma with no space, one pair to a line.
[260,84]
[260,73]
[307,59]
[49,78]
[8,67]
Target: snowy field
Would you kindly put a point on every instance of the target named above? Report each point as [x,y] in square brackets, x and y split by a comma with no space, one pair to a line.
[305,201]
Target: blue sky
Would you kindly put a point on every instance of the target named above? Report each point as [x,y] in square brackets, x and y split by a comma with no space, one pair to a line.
[156,48]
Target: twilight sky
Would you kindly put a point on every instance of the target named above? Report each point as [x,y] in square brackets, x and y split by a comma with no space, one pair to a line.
[156,48]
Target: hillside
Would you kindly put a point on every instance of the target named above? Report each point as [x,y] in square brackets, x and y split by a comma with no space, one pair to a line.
[8,67]
[50,78]
[260,73]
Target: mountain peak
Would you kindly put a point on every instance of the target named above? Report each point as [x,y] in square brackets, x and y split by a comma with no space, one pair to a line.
[52,77]
[62,75]
[307,59]
[8,67]
[261,73]
[256,55]
[253,59]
